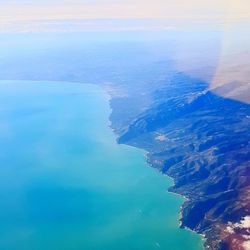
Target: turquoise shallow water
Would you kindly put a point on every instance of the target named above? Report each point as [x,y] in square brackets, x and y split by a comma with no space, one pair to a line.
[66,184]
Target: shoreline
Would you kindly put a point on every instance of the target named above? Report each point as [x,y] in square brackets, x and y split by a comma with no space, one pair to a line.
[145,153]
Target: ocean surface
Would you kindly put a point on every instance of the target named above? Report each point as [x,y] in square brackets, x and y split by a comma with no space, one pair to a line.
[66,184]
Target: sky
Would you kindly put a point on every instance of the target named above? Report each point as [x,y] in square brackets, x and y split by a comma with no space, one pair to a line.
[35,12]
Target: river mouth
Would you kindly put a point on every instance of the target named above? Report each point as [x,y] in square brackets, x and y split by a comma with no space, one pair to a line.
[66,183]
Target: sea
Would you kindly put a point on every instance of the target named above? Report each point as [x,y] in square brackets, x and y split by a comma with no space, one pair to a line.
[65,183]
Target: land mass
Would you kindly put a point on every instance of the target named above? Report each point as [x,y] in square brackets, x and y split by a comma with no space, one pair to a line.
[201,140]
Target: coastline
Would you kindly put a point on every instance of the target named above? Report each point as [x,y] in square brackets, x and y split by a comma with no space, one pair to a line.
[150,165]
